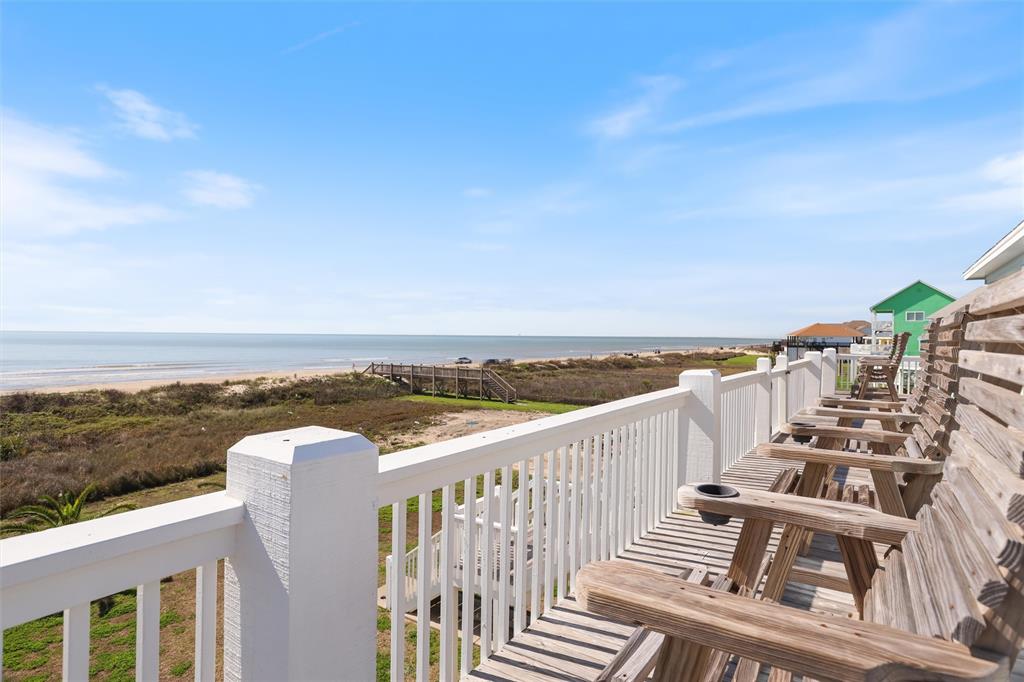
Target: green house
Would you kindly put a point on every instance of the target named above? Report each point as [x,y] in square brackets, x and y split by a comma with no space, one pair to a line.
[910,308]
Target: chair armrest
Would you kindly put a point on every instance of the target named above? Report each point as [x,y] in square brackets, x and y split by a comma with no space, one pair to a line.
[842,401]
[816,645]
[800,453]
[842,413]
[820,516]
[844,432]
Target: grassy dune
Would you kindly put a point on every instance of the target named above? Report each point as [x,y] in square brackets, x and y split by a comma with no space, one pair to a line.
[55,442]
[131,441]
[589,382]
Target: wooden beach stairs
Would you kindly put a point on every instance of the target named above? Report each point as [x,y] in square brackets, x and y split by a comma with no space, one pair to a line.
[485,383]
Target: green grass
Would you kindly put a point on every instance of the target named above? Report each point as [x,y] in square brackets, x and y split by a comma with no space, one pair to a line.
[179,669]
[474,403]
[741,361]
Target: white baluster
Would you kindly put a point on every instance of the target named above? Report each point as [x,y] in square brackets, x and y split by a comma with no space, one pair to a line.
[206,622]
[424,564]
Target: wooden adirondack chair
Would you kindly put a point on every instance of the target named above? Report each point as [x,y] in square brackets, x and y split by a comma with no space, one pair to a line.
[882,424]
[888,402]
[903,481]
[873,370]
[907,446]
[947,602]
[639,656]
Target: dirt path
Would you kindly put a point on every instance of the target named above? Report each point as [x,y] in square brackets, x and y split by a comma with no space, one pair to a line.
[454,424]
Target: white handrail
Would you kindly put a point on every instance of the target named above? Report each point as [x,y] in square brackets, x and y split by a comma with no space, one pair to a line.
[409,472]
[46,571]
[740,380]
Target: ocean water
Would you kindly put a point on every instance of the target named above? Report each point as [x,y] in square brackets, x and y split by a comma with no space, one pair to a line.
[39,360]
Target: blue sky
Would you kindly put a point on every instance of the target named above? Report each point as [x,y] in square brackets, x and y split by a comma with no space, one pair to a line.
[605,169]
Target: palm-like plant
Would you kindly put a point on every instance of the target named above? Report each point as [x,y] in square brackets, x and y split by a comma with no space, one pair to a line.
[51,512]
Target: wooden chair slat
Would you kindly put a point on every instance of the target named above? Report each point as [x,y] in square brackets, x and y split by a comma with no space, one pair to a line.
[1005,294]
[976,565]
[1004,404]
[1005,491]
[951,595]
[926,616]
[1005,444]
[1001,329]
[1003,540]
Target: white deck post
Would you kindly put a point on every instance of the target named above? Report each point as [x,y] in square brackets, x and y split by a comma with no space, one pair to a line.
[700,426]
[812,389]
[763,402]
[782,364]
[299,591]
[829,367]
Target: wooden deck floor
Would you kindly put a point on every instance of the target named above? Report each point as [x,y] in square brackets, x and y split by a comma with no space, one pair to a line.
[567,643]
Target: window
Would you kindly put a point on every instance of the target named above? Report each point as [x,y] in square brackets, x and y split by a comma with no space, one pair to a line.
[915,316]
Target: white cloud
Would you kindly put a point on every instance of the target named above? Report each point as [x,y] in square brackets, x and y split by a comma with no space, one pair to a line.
[40,172]
[319,36]
[40,150]
[628,119]
[477,192]
[912,55]
[142,117]
[999,186]
[485,247]
[222,190]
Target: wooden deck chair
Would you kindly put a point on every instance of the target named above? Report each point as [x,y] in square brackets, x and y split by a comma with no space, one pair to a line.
[873,370]
[885,426]
[906,460]
[871,401]
[947,602]
[639,656]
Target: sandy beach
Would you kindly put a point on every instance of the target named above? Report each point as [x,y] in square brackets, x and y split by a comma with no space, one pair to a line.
[132,386]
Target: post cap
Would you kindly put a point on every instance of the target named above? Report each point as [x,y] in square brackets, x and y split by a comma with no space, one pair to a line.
[304,444]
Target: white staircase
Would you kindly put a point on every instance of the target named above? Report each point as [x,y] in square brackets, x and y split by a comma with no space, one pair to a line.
[412,556]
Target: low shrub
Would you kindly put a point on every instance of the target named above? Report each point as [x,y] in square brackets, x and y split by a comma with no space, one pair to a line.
[11,446]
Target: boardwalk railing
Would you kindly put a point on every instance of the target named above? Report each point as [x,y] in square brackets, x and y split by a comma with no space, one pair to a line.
[459,380]
[501,522]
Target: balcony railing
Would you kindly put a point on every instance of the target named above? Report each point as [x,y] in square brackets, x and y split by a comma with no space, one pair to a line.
[297,528]
[846,372]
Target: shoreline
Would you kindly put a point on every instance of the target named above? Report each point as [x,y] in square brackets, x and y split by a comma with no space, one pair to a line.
[136,385]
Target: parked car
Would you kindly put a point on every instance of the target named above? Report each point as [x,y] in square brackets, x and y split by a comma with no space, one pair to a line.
[463,361]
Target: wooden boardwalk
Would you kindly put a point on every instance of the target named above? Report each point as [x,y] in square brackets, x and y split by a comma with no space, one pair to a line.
[567,643]
[460,381]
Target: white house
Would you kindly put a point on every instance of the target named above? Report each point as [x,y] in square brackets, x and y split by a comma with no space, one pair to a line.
[1005,258]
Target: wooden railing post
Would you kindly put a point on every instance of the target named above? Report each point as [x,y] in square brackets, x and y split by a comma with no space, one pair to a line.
[700,426]
[829,367]
[300,589]
[782,364]
[812,387]
[763,402]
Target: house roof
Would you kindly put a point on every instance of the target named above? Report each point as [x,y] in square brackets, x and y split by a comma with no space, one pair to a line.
[1005,250]
[827,329]
[880,306]
[858,324]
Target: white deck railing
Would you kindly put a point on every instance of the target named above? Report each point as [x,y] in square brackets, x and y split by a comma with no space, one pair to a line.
[846,372]
[66,568]
[298,522]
